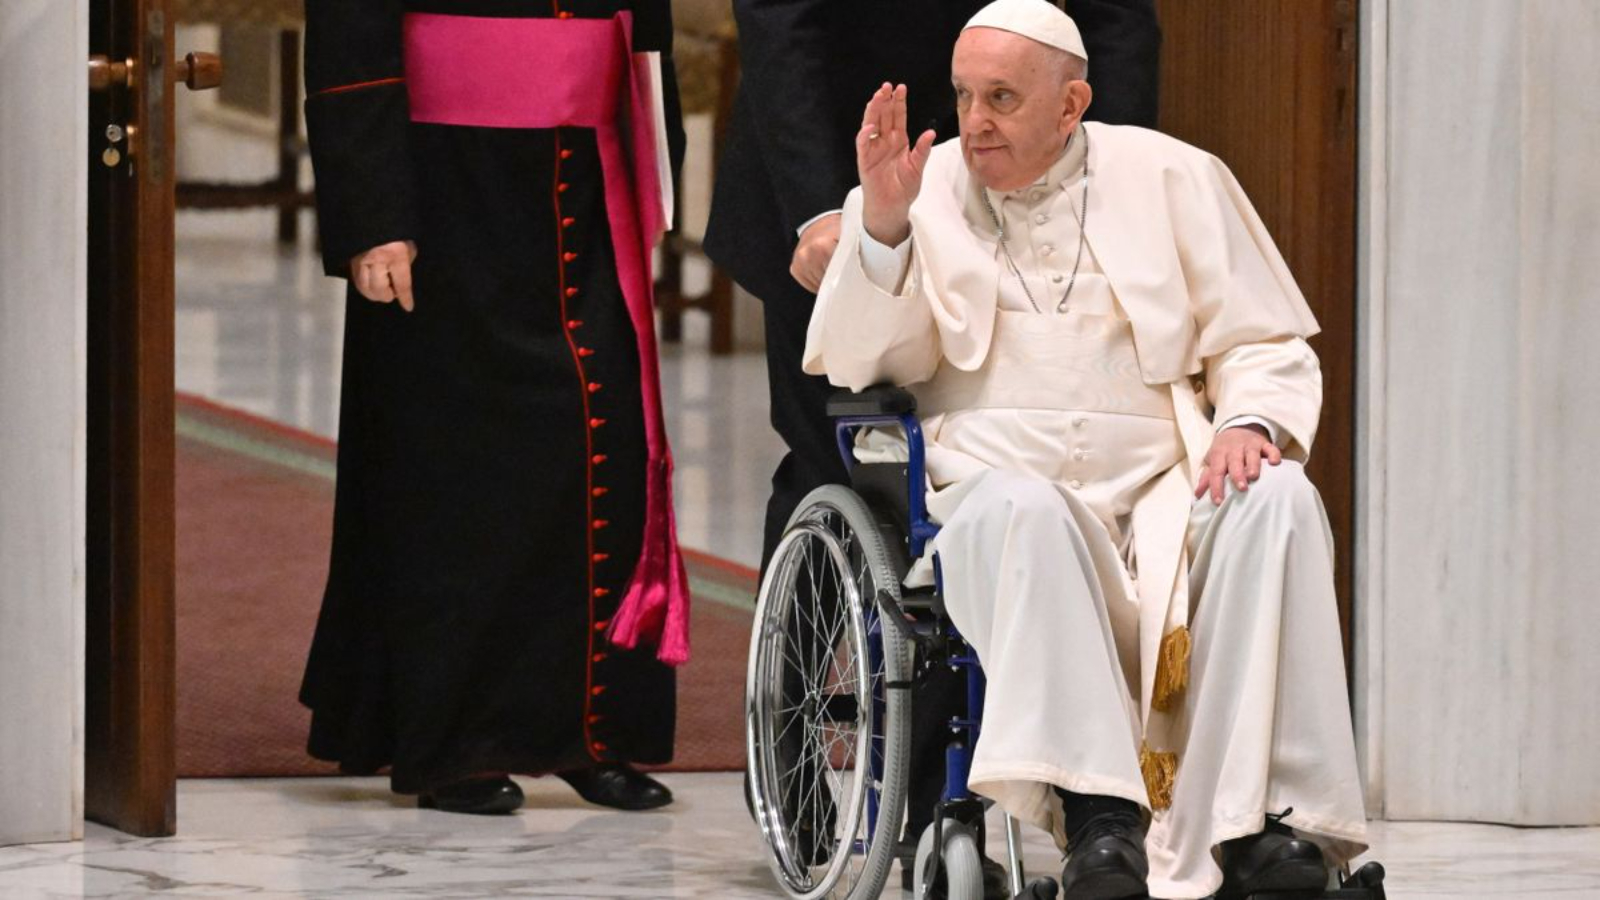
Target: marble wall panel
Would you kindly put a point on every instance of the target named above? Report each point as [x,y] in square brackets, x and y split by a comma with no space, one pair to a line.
[43,173]
[1482,596]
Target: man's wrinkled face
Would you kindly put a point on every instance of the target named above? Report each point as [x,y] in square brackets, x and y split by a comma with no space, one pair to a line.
[1015,105]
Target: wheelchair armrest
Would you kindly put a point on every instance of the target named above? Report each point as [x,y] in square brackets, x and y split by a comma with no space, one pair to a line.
[878,400]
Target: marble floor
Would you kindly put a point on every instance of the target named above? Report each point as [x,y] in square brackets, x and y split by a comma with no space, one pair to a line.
[342,837]
[259,329]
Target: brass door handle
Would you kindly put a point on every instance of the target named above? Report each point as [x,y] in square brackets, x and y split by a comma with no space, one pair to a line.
[199,71]
[104,73]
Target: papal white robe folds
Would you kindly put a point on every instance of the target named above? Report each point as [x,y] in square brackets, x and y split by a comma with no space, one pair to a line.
[1062,452]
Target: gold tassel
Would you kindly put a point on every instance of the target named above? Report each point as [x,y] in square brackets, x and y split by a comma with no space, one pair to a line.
[1172,669]
[1160,772]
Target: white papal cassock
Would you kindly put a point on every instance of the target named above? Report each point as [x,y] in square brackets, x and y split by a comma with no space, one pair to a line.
[1062,452]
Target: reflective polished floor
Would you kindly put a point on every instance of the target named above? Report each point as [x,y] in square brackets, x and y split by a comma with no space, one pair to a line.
[350,837]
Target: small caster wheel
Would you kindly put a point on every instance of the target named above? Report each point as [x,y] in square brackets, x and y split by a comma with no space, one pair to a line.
[960,872]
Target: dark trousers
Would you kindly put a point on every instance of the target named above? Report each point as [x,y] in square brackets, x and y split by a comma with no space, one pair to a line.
[798,412]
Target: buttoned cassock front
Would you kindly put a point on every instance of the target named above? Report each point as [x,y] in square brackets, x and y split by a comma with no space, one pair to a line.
[1182,313]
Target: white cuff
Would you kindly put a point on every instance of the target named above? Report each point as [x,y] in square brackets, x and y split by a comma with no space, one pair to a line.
[1274,431]
[800,232]
[885,266]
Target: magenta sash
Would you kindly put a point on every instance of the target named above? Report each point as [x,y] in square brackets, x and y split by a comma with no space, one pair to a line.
[581,73]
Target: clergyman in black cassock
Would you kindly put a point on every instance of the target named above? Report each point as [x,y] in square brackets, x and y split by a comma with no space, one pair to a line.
[492,472]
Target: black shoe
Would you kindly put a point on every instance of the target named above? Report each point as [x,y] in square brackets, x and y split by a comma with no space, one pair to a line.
[1106,860]
[475,796]
[617,785]
[1272,860]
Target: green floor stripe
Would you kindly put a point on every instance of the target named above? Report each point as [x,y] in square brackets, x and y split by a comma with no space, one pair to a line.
[261,451]
[726,595]
[318,467]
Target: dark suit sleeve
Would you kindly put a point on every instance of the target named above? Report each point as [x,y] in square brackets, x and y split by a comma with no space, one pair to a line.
[357,119]
[784,52]
[1123,38]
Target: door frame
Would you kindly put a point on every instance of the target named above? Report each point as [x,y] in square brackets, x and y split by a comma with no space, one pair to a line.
[130,772]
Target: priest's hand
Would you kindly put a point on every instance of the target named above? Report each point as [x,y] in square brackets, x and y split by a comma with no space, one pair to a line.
[816,248]
[1236,455]
[383,274]
[889,165]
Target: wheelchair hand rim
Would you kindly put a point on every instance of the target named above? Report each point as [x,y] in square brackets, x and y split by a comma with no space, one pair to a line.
[783,856]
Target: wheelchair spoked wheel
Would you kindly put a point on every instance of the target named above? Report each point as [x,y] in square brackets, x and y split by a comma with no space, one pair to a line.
[826,735]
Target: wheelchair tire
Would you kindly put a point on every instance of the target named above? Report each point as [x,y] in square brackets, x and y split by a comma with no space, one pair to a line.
[960,875]
[816,709]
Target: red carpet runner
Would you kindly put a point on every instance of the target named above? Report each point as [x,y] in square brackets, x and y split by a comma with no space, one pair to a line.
[255,512]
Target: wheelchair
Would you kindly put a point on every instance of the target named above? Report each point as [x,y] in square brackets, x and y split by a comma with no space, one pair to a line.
[837,645]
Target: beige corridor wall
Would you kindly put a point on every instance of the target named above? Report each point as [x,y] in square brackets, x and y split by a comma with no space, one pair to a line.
[1479,537]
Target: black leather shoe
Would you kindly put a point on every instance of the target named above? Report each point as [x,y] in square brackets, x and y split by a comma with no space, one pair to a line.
[1106,860]
[1272,860]
[475,796]
[617,785]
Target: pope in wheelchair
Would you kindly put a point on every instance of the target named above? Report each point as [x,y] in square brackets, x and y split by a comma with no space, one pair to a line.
[1106,501]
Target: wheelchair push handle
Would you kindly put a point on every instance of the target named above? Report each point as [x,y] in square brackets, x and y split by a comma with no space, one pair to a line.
[881,401]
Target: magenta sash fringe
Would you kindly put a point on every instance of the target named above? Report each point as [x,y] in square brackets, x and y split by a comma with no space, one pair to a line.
[550,73]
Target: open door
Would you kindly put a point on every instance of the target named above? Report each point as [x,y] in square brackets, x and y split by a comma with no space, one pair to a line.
[1269,86]
[129,759]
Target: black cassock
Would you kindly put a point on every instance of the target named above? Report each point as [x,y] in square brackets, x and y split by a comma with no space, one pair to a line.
[492,449]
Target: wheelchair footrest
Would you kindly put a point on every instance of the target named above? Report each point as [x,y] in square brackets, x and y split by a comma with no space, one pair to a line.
[1365,884]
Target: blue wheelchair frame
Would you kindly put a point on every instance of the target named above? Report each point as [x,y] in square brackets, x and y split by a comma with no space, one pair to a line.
[962,728]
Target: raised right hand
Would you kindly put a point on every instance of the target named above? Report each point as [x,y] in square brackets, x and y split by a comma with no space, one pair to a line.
[383,274]
[890,167]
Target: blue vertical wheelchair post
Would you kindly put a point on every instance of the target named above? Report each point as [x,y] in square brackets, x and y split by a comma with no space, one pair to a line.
[845,429]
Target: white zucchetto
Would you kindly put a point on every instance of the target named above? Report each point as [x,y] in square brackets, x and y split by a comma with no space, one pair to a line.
[1039,20]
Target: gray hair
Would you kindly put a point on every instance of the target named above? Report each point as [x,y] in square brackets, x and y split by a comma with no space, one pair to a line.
[1068,66]
[1072,66]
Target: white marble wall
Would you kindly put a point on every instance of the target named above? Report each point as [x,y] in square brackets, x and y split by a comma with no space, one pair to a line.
[1479,569]
[43,175]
